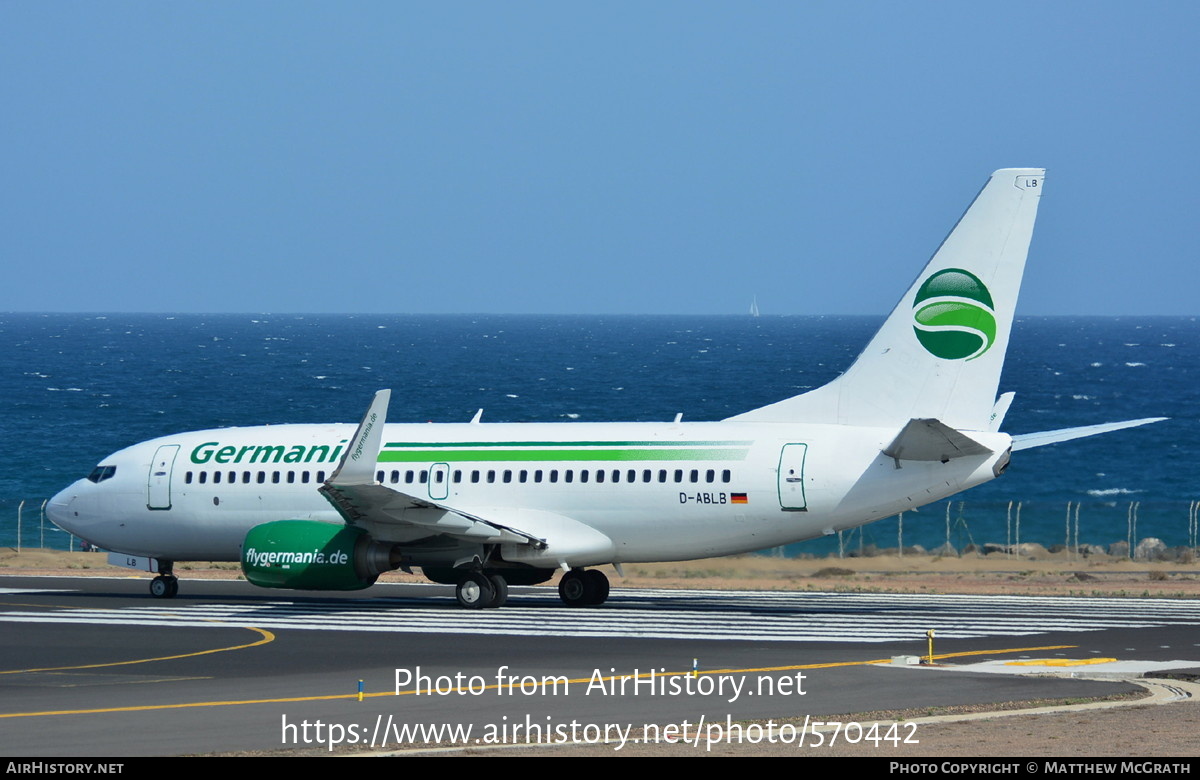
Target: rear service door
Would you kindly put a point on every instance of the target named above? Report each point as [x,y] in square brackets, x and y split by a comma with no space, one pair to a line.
[791,478]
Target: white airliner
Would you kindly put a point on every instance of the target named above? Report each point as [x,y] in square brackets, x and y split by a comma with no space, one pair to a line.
[329,507]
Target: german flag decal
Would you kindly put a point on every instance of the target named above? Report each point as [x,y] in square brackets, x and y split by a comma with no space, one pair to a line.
[738,498]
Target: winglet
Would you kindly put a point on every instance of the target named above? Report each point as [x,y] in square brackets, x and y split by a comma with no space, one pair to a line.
[358,464]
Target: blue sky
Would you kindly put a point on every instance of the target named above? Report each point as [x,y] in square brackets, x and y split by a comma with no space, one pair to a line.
[566,157]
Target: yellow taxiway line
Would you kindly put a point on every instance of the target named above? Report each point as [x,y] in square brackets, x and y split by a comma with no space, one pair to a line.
[331,697]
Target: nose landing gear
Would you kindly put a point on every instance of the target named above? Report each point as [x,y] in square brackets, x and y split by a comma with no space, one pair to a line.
[166,584]
[163,587]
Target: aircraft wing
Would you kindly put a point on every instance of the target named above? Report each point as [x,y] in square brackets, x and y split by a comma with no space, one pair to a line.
[1025,441]
[392,514]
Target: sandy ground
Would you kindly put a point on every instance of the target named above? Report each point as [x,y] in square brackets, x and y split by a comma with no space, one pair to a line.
[1047,574]
[1117,729]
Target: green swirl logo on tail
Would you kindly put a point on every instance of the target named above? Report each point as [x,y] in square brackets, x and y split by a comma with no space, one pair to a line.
[954,317]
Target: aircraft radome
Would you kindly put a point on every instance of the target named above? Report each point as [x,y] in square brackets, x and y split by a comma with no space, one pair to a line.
[330,507]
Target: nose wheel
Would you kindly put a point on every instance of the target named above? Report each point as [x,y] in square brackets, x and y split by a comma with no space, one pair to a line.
[164,586]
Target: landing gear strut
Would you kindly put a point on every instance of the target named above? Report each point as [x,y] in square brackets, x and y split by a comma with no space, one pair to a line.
[166,584]
[477,590]
[583,588]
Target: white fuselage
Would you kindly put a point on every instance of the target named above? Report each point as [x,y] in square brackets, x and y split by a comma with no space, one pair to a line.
[658,492]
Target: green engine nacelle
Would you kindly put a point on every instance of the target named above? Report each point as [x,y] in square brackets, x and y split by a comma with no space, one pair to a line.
[309,555]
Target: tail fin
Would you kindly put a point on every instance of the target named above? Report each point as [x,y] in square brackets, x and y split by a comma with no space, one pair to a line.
[940,352]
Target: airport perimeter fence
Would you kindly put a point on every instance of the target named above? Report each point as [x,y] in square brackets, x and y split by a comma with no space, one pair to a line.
[1160,530]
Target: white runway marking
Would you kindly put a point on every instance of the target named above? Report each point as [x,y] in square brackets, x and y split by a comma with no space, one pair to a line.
[29,591]
[669,614]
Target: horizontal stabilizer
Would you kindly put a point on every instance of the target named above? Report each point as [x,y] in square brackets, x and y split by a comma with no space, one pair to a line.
[1027,441]
[932,440]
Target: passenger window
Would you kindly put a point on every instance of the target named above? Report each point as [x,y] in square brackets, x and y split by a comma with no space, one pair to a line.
[523,477]
[291,477]
[537,475]
[424,477]
[474,476]
[491,476]
[408,477]
[216,477]
[662,475]
[568,475]
[725,476]
[440,476]
[187,478]
[203,477]
[457,476]
[710,476]
[507,476]
[599,475]
[379,476]
[679,475]
[262,477]
[695,475]
[395,477]
[304,475]
[275,477]
[553,476]
[320,476]
[246,477]
[583,475]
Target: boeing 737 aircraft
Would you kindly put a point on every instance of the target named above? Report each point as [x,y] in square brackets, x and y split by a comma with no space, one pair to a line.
[330,507]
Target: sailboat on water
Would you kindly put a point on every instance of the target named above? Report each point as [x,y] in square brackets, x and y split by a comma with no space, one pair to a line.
[754,306]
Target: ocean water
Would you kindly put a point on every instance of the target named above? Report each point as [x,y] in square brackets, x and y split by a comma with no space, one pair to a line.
[77,387]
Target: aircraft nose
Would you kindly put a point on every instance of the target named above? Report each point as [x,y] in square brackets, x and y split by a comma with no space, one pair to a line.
[59,509]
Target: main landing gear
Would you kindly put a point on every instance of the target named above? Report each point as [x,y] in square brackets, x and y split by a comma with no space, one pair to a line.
[477,590]
[488,590]
[166,584]
[583,588]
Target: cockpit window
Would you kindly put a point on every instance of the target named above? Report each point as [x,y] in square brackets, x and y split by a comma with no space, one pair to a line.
[101,473]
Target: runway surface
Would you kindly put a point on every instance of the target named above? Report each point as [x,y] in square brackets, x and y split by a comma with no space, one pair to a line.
[96,667]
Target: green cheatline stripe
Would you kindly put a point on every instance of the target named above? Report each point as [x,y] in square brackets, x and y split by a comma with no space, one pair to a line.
[438,456]
[439,444]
